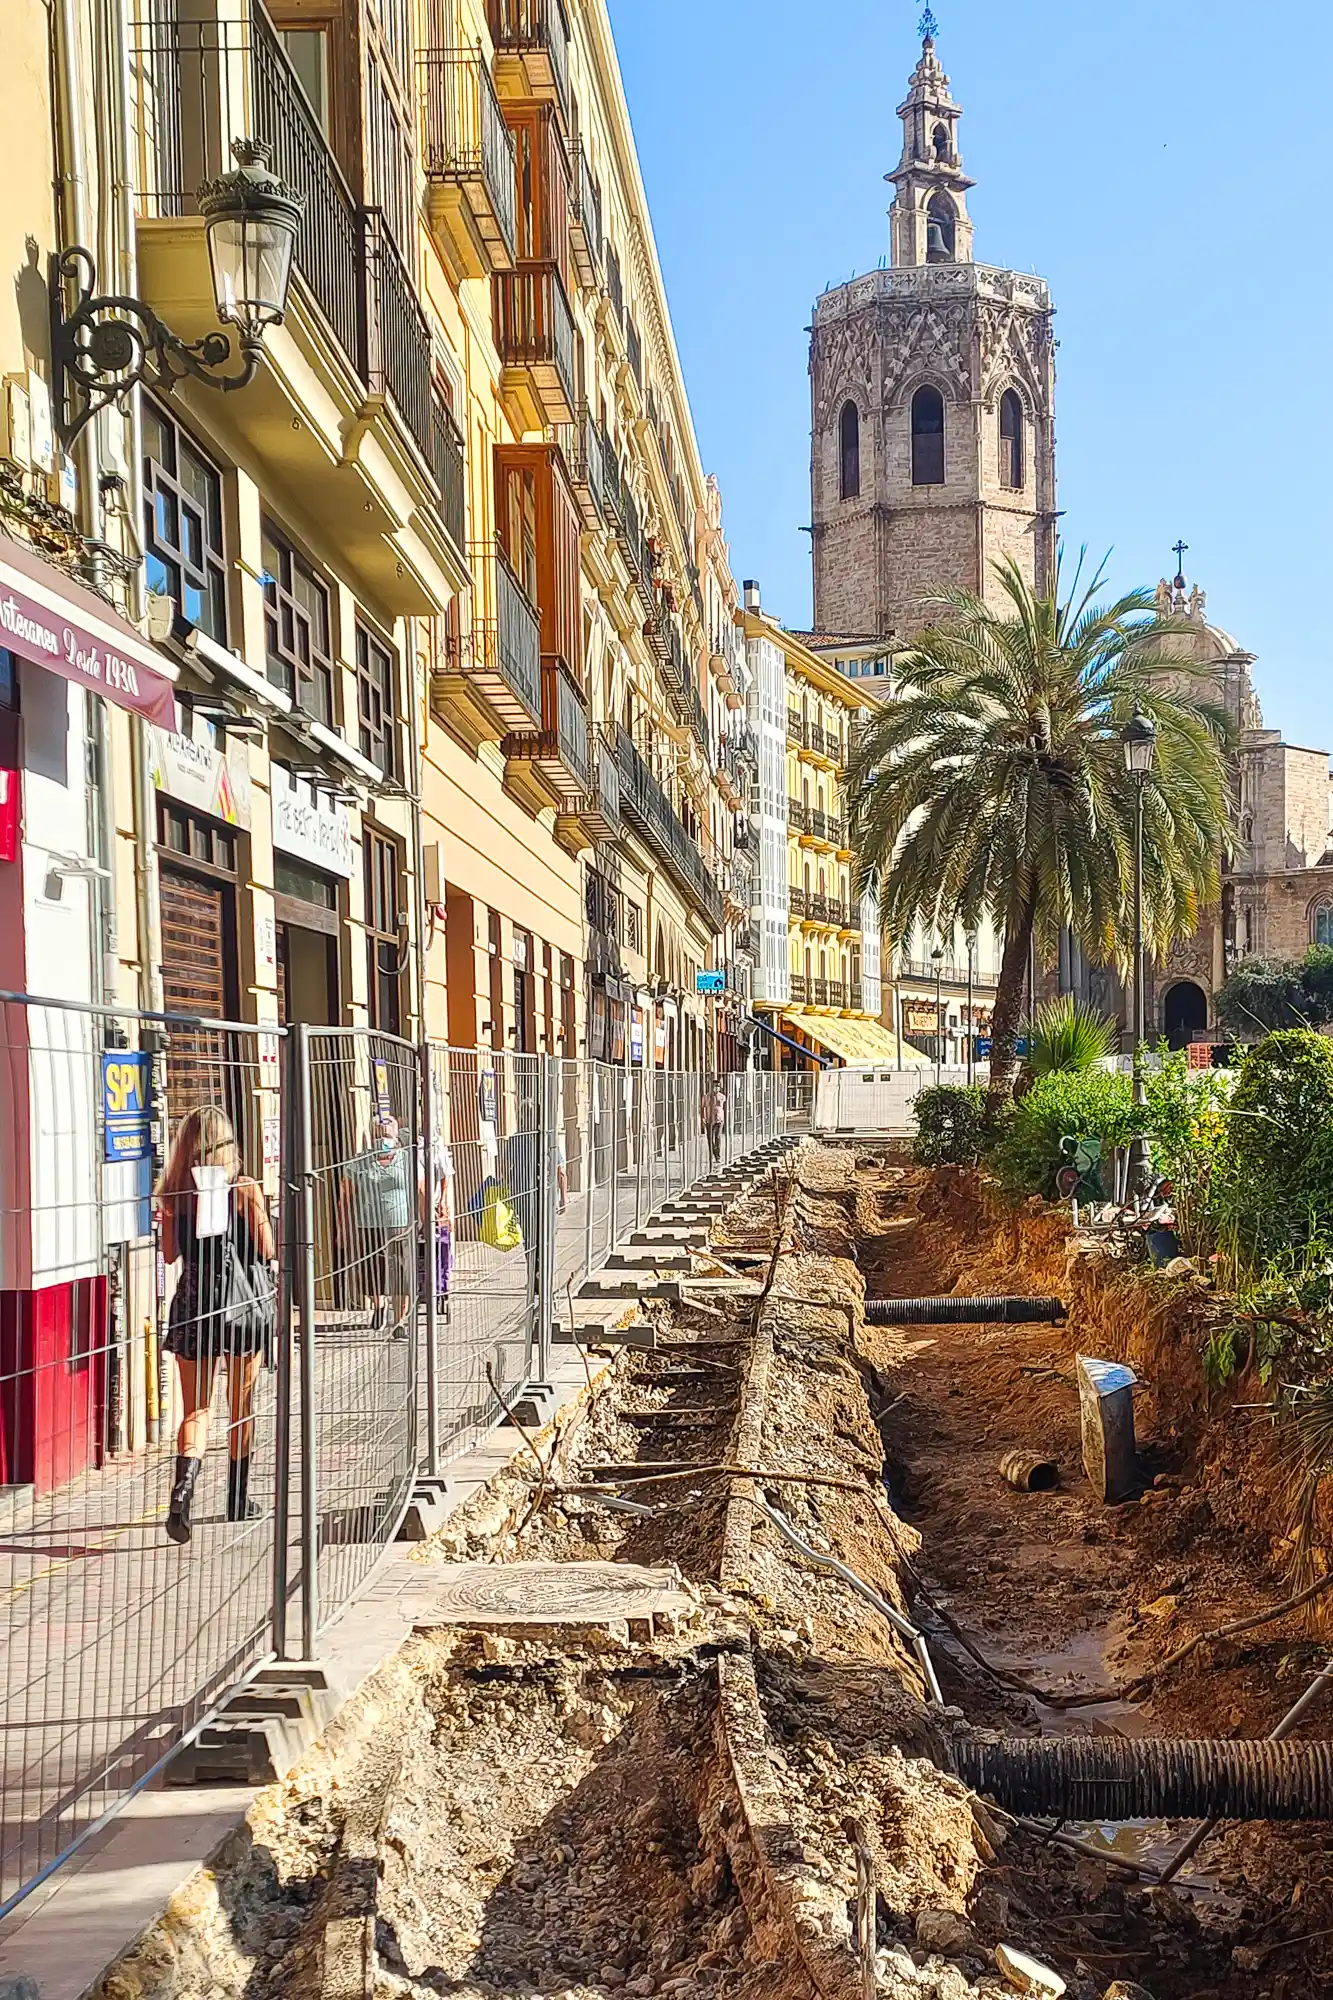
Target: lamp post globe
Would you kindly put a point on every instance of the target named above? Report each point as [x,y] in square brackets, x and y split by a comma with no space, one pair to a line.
[250,220]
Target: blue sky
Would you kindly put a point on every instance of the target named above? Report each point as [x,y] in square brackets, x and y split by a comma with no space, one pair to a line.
[1166,169]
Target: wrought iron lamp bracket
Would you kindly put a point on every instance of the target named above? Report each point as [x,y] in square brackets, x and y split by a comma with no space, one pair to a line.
[109,343]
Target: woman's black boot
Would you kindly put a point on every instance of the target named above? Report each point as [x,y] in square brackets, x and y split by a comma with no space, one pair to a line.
[240,1507]
[182,1496]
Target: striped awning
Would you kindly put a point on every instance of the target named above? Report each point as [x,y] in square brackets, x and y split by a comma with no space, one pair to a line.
[857,1042]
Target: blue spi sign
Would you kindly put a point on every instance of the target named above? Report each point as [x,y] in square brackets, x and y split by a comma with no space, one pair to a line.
[127,1088]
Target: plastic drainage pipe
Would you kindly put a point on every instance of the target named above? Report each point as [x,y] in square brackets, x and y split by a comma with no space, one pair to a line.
[1111,1778]
[964,1312]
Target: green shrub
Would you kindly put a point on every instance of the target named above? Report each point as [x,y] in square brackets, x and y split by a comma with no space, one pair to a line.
[1264,995]
[1069,1036]
[951,1125]
[1188,1122]
[1085,1104]
[1276,1167]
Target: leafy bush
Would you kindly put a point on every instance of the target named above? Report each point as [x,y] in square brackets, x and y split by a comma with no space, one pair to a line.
[1084,1104]
[951,1125]
[1187,1120]
[1068,1036]
[1276,1167]
[1269,994]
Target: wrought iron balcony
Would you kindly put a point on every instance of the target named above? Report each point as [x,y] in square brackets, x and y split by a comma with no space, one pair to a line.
[837,993]
[559,750]
[615,284]
[448,457]
[468,157]
[534,332]
[795,725]
[856,997]
[646,806]
[597,811]
[489,680]
[800,989]
[798,903]
[532,48]
[585,458]
[585,219]
[819,992]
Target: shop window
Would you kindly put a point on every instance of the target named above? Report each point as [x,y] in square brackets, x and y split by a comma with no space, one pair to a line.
[298,629]
[384,932]
[183,549]
[376,674]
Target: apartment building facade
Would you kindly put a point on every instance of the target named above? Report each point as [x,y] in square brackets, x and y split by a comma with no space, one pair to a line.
[818,982]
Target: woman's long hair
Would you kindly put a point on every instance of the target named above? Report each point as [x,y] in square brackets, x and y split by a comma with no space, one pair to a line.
[206,1138]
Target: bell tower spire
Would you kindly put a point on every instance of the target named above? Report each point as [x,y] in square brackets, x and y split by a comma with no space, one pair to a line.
[929,219]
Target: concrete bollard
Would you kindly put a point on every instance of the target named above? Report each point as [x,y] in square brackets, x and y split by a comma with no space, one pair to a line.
[1106,1403]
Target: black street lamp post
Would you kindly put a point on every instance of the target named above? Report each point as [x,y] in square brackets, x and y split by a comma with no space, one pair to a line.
[1139,738]
[107,343]
[971,1018]
[937,958]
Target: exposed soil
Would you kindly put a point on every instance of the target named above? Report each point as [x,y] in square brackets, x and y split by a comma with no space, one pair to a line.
[1087,1596]
[612,1811]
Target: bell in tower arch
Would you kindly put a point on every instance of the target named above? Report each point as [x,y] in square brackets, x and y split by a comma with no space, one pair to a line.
[941,231]
[937,250]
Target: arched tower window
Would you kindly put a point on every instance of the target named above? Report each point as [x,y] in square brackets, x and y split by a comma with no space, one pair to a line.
[1321,924]
[927,437]
[849,452]
[941,230]
[1012,470]
[943,151]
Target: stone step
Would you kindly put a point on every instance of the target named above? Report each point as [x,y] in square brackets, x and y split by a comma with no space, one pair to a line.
[602,1332]
[654,1257]
[668,1234]
[628,1285]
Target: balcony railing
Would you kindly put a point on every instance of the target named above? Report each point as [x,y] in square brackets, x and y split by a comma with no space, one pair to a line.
[586,217]
[467,145]
[837,993]
[818,823]
[534,30]
[798,816]
[518,648]
[646,804]
[397,333]
[634,345]
[800,989]
[819,992]
[638,555]
[448,458]
[798,903]
[951,973]
[615,286]
[795,726]
[534,331]
[856,997]
[585,457]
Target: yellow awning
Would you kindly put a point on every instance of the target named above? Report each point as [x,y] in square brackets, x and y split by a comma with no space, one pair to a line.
[857,1042]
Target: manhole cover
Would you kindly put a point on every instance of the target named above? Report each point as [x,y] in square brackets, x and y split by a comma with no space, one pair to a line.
[549,1594]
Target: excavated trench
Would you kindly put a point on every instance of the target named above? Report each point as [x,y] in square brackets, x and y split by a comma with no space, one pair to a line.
[744,1796]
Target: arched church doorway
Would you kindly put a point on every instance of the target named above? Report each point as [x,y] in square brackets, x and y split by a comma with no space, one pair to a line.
[1184,1014]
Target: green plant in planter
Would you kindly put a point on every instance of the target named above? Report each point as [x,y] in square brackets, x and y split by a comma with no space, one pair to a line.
[1080,1104]
[1067,1036]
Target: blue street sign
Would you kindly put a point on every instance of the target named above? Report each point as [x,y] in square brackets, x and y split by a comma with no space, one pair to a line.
[984,1045]
[710,982]
[126,1106]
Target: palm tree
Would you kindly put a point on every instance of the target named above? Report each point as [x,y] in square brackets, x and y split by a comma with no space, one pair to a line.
[994,783]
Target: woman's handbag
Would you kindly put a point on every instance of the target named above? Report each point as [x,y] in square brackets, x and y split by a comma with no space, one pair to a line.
[249,1296]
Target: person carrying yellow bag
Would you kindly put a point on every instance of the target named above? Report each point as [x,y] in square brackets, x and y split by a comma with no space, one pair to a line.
[500,1228]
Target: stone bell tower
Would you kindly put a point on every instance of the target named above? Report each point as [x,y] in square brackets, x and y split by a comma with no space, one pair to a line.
[933,402]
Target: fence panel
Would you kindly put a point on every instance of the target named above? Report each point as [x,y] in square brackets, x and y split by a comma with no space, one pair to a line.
[116,1641]
[358,1286]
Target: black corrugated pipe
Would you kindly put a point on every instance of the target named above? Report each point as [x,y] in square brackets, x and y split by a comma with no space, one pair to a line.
[1117,1778]
[964,1312]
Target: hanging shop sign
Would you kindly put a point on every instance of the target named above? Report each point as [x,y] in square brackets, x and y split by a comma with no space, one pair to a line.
[710,982]
[921,1020]
[198,774]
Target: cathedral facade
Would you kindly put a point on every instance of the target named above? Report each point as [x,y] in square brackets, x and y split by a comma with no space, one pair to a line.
[933,404]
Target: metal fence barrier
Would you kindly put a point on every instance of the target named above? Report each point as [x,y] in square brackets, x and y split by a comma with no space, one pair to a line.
[298,1265]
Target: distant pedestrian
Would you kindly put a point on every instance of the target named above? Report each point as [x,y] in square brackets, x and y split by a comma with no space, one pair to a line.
[377,1209]
[712,1114]
[223,1309]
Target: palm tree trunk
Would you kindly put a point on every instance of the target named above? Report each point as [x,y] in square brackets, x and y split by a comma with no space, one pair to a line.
[1009,1003]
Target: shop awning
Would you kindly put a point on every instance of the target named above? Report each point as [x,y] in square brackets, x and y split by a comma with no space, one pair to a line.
[48,618]
[857,1042]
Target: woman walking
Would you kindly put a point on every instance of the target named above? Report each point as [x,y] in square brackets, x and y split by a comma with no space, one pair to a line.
[223,1308]
[377,1211]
